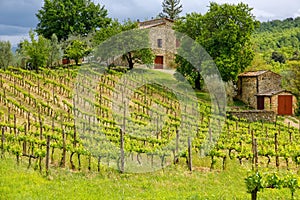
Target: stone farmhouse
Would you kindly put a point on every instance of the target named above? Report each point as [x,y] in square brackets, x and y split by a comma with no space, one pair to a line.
[262,90]
[163,41]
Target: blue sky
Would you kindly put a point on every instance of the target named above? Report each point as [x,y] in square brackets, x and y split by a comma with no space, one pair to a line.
[17,17]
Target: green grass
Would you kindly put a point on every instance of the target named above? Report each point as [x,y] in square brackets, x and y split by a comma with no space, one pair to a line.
[204,96]
[174,182]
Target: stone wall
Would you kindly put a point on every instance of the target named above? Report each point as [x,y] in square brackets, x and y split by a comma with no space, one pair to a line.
[248,90]
[269,81]
[168,49]
[255,115]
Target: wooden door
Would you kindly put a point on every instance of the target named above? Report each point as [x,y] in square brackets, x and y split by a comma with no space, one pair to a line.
[159,62]
[260,103]
[285,105]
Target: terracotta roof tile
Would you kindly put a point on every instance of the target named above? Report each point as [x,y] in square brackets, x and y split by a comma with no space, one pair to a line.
[254,73]
[154,22]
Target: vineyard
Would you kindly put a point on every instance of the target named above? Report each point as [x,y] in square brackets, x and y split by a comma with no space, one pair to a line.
[87,117]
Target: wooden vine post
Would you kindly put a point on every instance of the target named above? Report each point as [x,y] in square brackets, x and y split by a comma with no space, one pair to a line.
[47,154]
[24,142]
[176,160]
[53,148]
[255,154]
[253,148]
[41,138]
[190,163]
[74,142]
[209,131]
[15,125]
[276,150]
[290,133]
[122,131]
[2,140]
[63,157]
[8,115]
[28,121]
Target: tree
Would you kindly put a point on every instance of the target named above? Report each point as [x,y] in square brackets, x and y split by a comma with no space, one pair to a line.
[191,25]
[291,80]
[113,43]
[171,9]
[76,50]
[55,52]
[225,32]
[65,17]
[36,51]
[6,55]
[278,57]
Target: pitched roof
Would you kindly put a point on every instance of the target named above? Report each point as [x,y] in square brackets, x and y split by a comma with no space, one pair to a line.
[154,22]
[254,73]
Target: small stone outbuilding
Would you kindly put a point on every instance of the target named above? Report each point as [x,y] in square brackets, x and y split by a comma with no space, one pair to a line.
[262,90]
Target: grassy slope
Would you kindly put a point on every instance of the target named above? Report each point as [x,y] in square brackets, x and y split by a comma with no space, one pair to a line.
[175,182]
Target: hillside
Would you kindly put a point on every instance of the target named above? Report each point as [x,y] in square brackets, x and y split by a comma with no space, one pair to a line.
[74,119]
[276,44]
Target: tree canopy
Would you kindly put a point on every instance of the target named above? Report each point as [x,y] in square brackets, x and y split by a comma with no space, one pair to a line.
[76,50]
[128,44]
[65,17]
[55,51]
[225,33]
[291,81]
[6,55]
[36,50]
[279,25]
[171,9]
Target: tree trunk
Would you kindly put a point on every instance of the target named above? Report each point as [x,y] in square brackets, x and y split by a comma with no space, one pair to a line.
[254,195]
[130,65]
[129,60]
[197,81]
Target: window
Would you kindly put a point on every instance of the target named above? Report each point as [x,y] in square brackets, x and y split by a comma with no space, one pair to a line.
[159,43]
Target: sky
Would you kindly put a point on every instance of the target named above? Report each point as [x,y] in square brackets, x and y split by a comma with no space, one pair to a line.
[17,17]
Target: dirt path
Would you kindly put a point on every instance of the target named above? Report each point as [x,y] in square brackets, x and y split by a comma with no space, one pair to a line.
[292,121]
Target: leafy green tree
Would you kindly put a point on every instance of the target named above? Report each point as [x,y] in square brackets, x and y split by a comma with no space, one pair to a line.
[6,55]
[225,33]
[291,80]
[191,26]
[227,37]
[278,57]
[128,44]
[55,53]
[76,50]
[171,9]
[65,17]
[36,50]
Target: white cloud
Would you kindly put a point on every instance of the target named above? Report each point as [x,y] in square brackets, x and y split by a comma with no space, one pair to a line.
[297,14]
[262,15]
[14,39]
